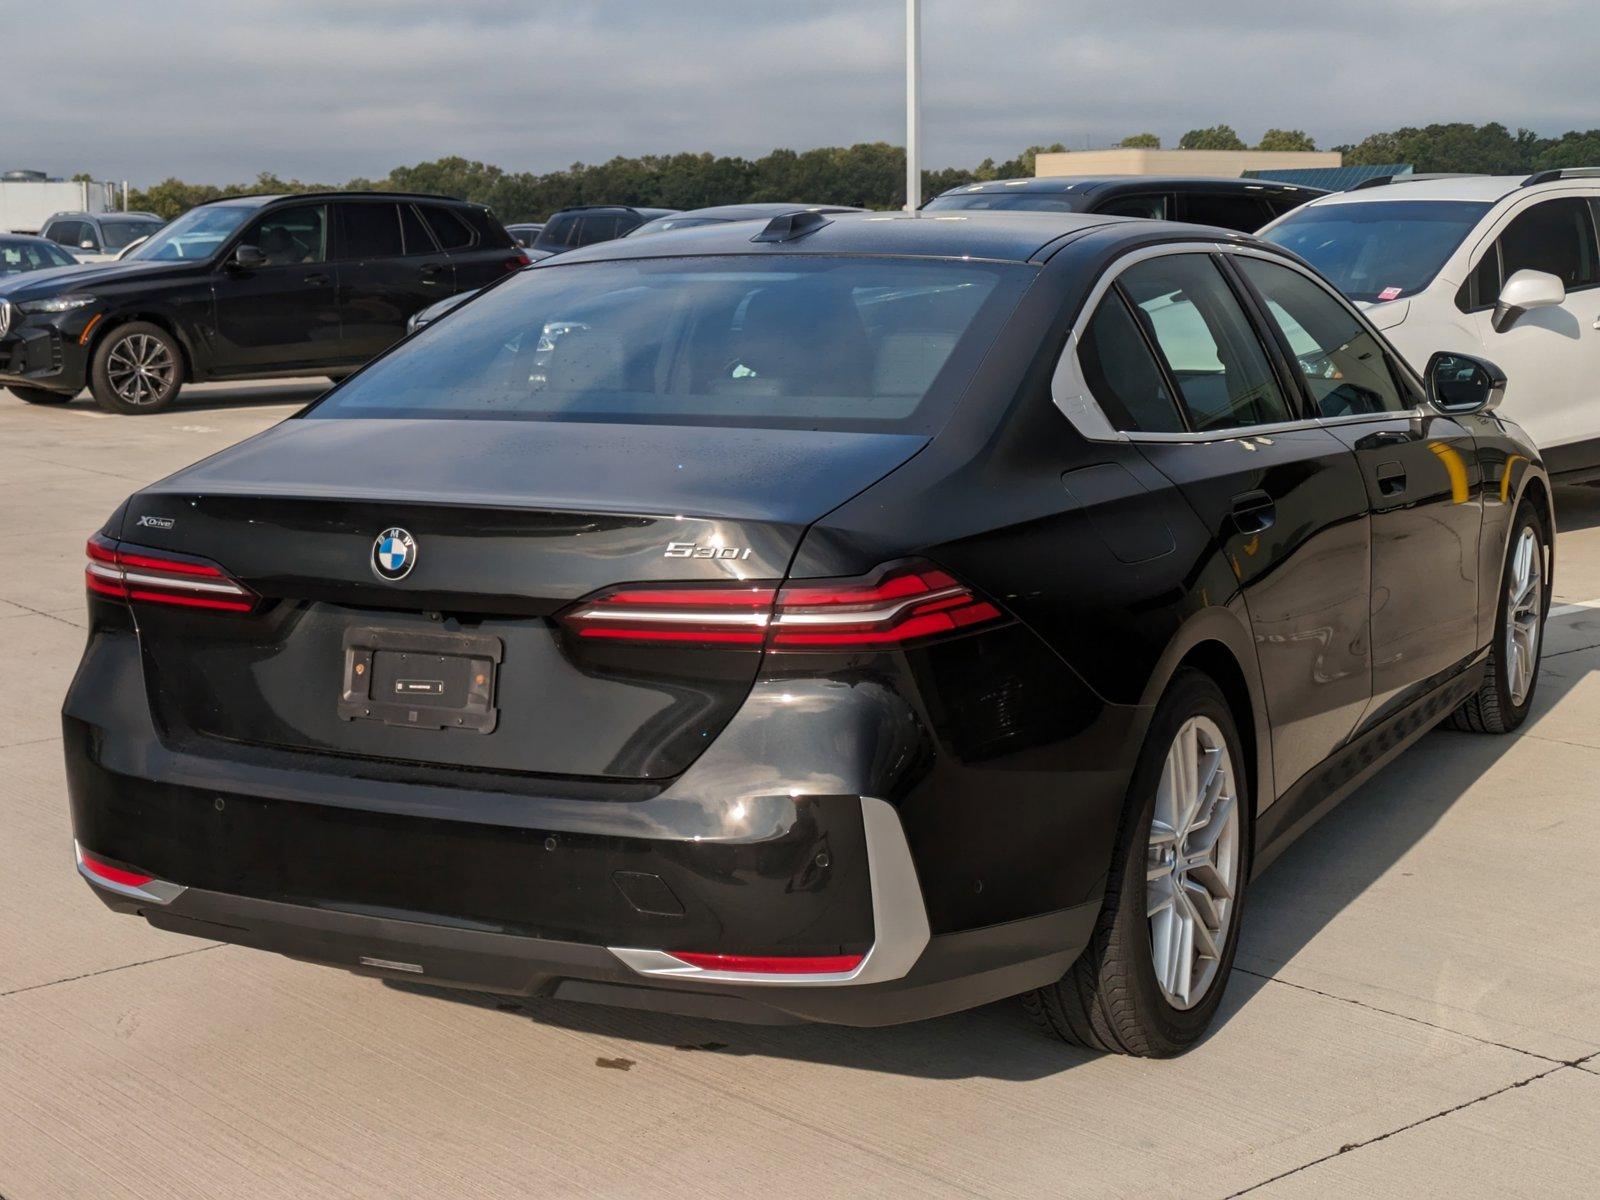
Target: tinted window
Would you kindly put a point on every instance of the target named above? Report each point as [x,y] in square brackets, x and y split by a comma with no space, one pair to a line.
[289,236]
[1556,236]
[1378,249]
[1156,207]
[369,231]
[1244,213]
[117,234]
[416,236]
[491,234]
[557,233]
[1122,373]
[1031,201]
[68,233]
[1224,377]
[808,343]
[601,227]
[1345,368]
[450,231]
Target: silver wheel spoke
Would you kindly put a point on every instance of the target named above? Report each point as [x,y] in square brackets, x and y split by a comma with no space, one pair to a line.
[1192,862]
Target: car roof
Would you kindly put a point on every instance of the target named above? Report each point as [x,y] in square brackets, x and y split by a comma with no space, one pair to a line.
[648,214]
[750,212]
[252,201]
[78,214]
[1481,188]
[25,237]
[1006,236]
[1099,184]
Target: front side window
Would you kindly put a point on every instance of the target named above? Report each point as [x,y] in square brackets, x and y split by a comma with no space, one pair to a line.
[292,236]
[1244,213]
[1378,250]
[66,233]
[197,234]
[1345,368]
[1556,237]
[1224,377]
[799,343]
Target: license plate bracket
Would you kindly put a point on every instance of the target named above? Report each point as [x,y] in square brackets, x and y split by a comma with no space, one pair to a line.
[439,681]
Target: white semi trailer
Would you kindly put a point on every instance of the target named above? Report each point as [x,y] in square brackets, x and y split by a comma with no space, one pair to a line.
[26,204]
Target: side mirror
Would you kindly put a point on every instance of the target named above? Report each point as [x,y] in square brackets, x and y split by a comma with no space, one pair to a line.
[247,258]
[1526,290]
[88,244]
[1459,384]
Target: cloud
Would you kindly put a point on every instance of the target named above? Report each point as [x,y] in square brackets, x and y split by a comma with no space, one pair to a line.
[330,89]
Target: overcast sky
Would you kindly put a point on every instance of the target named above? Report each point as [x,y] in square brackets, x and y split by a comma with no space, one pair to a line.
[216,91]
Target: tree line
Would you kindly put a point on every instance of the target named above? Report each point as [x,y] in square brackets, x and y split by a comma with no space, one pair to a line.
[869,174]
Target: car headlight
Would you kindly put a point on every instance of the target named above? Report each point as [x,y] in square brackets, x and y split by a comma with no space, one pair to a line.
[56,304]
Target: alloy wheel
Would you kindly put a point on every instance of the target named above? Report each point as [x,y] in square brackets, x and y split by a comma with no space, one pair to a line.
[1193,862]
[140,369]
[1524,615]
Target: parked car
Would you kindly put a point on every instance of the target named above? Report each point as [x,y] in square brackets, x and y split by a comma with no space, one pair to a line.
[525,232]
[1242,204]
[587,224]
[246,287]
[723,213]
[868,620]
[1506,266]
[20,253]
[99,237]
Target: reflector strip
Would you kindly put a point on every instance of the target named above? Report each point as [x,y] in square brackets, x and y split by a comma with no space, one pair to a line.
[755,964]
[115,874]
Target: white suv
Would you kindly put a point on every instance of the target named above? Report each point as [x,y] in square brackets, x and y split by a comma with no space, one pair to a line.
[1503,267]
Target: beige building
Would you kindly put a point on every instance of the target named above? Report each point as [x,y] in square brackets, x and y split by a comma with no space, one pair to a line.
[1221,164]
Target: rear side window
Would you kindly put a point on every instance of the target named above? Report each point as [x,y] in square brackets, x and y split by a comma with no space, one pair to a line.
[1224,377]
[1556,236]
[1155,206]
[415,234]
[370,230]
[1122,373]
[450,230]
[1244,213]
[797,342]
[1344,366]
[491,234]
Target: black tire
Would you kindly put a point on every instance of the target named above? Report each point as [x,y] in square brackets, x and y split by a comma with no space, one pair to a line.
[39,395]
[136,341]
[1110,998]
[1493,708]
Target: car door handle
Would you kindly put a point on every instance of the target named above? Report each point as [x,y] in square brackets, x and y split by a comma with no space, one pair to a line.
[432,271]
[318,280]
[1253,512]
[1391,478]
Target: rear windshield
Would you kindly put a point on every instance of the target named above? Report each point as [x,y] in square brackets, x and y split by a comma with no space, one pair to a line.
[1378,249]
[804,343]
[1015,201]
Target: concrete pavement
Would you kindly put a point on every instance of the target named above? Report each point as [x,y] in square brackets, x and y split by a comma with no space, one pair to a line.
[1413,1013]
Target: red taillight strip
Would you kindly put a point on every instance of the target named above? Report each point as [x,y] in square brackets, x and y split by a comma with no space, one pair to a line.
[136,573]
[115,874]
[896,607]
[135,885]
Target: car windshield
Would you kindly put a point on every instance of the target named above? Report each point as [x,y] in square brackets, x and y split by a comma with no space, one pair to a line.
[196,234]
[993,201]
[117,234]
[873,344]
[18,256]
[1378,250]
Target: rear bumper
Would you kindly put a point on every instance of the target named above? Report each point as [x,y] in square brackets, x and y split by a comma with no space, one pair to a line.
[953,971]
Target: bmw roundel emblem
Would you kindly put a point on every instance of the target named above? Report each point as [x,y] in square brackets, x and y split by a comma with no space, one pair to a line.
[394,554]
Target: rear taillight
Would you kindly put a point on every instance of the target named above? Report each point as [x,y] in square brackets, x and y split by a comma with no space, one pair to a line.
[119,571]
[897,606]
[517,261]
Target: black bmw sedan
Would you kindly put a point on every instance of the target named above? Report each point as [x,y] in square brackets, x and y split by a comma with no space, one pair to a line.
[850,619]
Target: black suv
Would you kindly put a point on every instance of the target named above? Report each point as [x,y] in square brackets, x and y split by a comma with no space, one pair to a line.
[1242,204]
[586,224]
[245,287]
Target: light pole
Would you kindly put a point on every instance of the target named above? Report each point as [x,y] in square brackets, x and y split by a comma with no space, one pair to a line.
[913,105]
